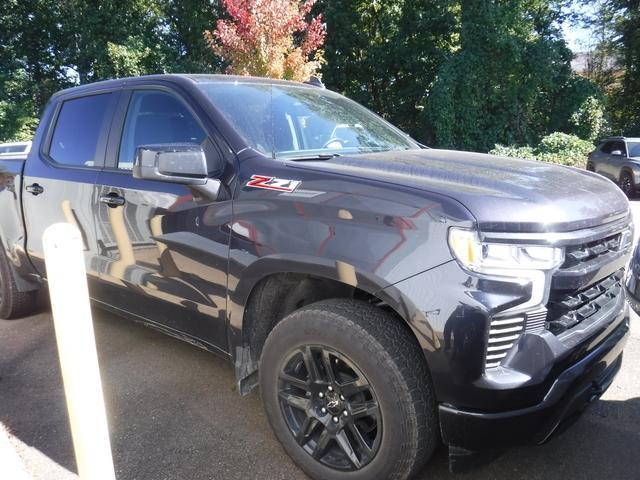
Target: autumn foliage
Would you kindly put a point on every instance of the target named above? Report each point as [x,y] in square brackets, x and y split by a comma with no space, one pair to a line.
[270,38]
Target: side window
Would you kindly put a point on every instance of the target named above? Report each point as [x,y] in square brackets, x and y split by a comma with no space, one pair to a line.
[619,146]
[79,126]
[606,147]
[155,118]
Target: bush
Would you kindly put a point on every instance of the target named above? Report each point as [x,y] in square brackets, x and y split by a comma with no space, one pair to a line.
[512,151]
[589,120]
[557,147]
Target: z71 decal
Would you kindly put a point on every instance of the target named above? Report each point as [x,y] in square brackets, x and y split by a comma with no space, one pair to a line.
[273,183]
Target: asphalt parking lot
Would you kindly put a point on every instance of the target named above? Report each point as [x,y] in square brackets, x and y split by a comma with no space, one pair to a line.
[174,414]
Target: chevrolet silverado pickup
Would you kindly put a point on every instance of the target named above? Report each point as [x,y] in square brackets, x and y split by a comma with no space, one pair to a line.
[385,297]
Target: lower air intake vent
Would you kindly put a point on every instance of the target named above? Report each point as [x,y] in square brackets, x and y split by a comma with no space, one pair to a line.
[536,320]
[503,335]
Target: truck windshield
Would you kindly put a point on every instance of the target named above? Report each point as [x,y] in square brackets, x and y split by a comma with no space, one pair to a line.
[298,121]
[634,149]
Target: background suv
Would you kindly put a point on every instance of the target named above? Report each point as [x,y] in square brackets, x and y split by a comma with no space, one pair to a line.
[618,158]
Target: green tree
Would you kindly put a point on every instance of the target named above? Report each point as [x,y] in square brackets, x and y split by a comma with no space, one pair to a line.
[30,67]
[506,82]
[47,45]
[386,54]
[615,59]
[627,104]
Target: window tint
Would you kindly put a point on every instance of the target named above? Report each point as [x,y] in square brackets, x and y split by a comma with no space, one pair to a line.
[619,146]
[156,118]
[607,147]
[80,123]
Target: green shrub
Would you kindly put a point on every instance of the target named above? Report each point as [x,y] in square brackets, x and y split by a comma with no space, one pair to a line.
[557,147]
[512,151]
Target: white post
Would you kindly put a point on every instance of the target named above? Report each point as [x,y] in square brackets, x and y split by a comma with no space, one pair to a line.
[66,276]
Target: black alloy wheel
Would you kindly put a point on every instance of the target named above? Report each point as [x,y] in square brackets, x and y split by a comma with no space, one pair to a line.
[347,391]
[330,408]
[626,184]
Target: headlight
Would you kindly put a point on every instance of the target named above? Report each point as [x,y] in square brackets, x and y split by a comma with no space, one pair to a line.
[532,264]
[501,258]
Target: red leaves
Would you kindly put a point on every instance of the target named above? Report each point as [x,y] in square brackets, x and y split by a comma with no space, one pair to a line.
[270,38]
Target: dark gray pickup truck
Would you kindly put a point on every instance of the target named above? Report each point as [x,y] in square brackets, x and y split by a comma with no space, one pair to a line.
[384,296]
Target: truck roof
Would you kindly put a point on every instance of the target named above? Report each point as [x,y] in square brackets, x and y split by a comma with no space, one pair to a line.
[624,139]
[181,78]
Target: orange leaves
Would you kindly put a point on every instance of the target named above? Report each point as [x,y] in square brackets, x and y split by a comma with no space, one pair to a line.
[270,38]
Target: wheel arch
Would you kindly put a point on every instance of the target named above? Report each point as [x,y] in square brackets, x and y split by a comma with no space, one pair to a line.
[273,288]
[19,265]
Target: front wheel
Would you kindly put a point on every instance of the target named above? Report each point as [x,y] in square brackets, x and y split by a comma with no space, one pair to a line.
[347,392]
[626,184]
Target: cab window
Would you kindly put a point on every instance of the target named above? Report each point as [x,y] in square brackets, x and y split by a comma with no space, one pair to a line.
[80,125]
[155,117]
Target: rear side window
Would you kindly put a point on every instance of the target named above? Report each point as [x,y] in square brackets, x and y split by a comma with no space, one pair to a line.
[620,147]
[156,118]
[79,126]
[607,147]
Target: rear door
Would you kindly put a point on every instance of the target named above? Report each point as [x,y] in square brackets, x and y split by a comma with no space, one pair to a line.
[60,177]
[162,256]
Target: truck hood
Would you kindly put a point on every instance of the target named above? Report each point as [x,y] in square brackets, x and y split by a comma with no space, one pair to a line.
[503,194]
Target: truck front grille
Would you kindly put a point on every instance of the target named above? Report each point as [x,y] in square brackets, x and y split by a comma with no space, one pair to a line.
[577,254]
[586,290]
[568,309]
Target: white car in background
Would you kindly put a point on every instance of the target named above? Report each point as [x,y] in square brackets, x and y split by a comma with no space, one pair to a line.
[15,149]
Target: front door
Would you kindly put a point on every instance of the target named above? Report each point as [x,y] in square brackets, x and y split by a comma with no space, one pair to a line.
[162,255]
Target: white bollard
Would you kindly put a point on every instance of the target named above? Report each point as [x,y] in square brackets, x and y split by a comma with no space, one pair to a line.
[67,279]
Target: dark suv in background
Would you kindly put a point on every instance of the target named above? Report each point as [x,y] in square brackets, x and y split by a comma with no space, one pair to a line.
[618,158]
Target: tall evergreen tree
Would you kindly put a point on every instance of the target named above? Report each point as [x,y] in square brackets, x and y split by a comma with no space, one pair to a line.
[508,81]
[627,104]
[385,54]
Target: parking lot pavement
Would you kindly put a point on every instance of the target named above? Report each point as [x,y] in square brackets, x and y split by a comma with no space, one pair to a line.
[174,414]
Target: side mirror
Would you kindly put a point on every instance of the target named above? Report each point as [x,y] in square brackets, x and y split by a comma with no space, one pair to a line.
[617,153]
[180,163]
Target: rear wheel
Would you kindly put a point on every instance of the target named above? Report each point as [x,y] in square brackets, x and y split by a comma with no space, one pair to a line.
[347,392]
[626,184]
[13,303]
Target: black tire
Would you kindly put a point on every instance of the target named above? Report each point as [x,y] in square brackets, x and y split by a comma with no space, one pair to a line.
[395,414]
[13,303]
[626,184]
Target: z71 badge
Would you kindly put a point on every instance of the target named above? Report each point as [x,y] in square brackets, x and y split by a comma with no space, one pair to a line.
[273,183]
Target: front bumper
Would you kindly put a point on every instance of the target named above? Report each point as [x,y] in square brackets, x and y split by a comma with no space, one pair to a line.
[573,390]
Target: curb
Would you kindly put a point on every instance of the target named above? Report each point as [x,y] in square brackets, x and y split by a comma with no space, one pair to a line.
[12,465]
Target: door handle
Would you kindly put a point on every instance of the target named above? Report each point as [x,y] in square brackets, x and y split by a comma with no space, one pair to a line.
[112,200]
[34,189]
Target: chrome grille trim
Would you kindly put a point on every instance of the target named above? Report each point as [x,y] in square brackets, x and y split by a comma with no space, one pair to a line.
[536,320]
[503,334]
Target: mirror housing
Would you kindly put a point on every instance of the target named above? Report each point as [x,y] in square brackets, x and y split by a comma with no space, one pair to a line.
[618,153]
[179,163]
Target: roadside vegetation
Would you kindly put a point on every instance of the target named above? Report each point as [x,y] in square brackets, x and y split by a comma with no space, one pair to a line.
[483,76]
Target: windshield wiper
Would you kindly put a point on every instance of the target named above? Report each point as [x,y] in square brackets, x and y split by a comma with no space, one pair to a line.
[311,158]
